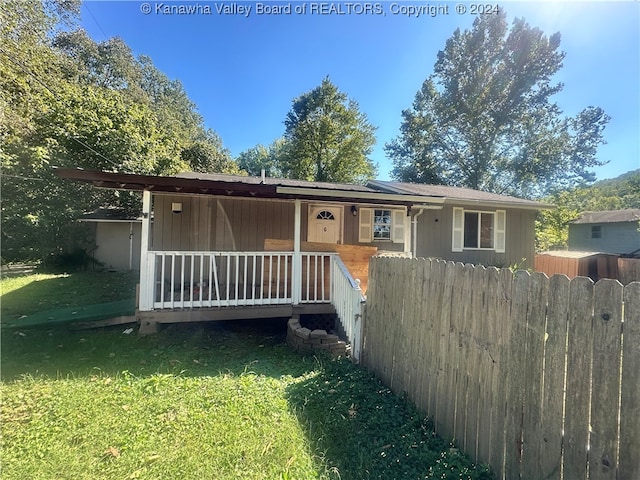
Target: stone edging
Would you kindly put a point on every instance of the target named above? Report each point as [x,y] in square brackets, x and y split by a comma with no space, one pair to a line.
[303,340]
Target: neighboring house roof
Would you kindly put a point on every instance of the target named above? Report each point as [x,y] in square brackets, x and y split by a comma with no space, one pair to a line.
[574,254]
[376,192]
[458,194]
[110,214]
[609,216]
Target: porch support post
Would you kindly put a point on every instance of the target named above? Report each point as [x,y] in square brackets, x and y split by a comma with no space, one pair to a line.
[146,266]
[296,281]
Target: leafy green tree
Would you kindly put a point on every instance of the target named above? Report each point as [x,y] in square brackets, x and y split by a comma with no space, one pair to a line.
[208,155]
[328,138]
[259,158]
[485,118]
[68,101]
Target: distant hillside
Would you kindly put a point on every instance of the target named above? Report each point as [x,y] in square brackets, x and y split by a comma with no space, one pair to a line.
[610,194]
[625,187]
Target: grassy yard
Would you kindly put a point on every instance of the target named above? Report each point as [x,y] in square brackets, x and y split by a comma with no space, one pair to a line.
[29,294]
[219,401]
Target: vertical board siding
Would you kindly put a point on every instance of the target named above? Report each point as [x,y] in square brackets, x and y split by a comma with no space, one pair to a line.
[538,377]
[435,230]
[219,223]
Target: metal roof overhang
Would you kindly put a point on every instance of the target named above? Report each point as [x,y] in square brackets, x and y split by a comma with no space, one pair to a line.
[177,185]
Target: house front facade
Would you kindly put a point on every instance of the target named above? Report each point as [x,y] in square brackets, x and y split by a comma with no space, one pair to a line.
[221,246]
[471,226]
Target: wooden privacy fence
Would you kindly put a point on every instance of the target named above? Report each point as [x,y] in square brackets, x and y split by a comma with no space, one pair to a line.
[535,376]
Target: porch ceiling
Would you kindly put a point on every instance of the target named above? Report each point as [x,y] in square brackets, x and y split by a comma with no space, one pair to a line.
[247,188]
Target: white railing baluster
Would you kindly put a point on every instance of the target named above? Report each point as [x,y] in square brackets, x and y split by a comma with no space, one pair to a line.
[191,273]
[315,278]
[162,280]
[200,285]
[286,275]
[244,281]
[181,284]
[322,282]
[195,281]
[262,279]
[236,280]
[270,276]
[278,280]
[214,268]
[253,281]
[308,273]
[173,279]
[347,298]
[228,277]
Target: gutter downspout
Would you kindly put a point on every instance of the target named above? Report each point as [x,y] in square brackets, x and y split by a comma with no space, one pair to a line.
[415,232]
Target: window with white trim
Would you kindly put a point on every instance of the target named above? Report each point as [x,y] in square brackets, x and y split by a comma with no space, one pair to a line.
[377,224]
[478,230]
[382,224]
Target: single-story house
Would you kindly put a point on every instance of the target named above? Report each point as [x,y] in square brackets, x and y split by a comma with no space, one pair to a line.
[221,246]
[116,236]
[610,231]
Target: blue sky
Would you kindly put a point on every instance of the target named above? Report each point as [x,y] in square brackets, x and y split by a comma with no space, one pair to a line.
[244,71]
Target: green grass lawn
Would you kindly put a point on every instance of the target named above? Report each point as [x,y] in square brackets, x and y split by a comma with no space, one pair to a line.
[24,295]
[216,401]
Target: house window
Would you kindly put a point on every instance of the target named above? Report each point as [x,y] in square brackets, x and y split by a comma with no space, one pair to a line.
[596,231]
[377,224]
[477,230]
[382,224]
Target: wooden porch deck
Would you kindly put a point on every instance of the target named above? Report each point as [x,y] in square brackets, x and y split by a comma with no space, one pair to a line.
[150,321]
[192,286]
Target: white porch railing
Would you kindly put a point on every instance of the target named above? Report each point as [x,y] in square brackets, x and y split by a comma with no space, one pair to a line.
[347,298]
[183,279]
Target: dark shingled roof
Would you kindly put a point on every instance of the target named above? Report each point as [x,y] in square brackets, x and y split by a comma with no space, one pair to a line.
[610,216]
[378,192]
[454,193]
[280,182]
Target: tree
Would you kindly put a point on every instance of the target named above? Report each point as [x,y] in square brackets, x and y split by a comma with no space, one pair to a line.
[208,155]
[328,138]
[484,119]
[68,101]
[552,226]
[259,158]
